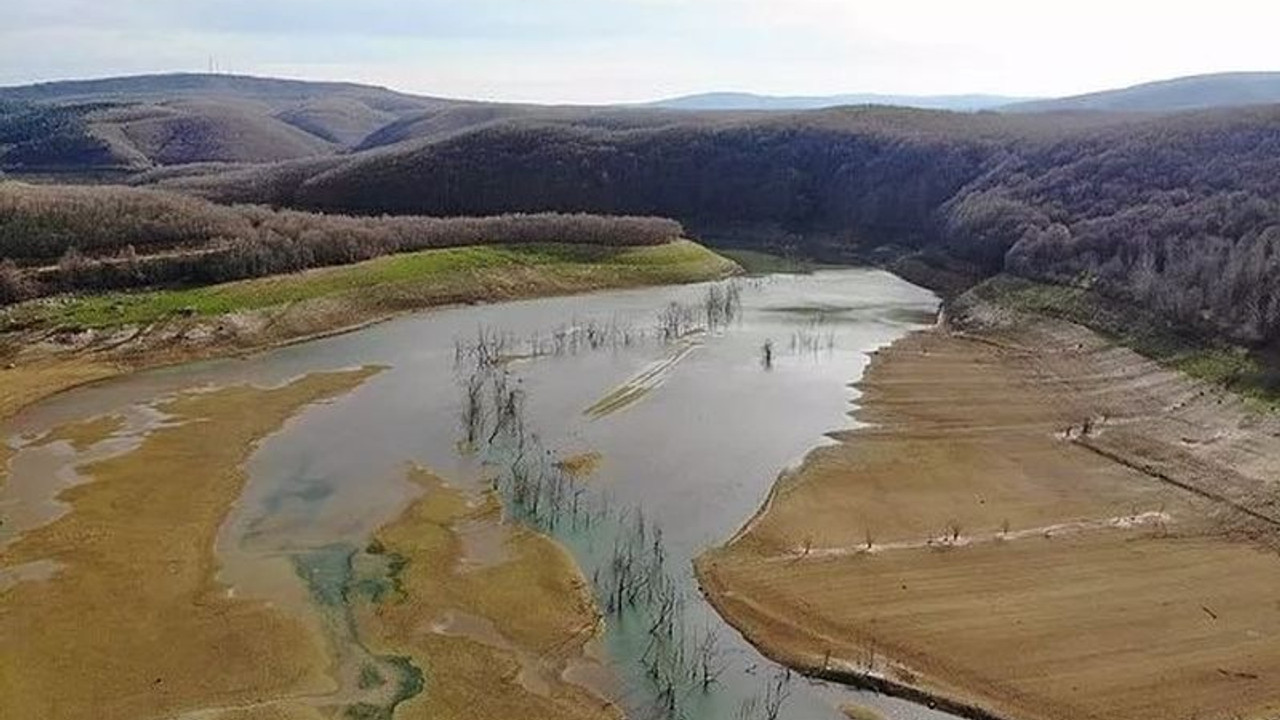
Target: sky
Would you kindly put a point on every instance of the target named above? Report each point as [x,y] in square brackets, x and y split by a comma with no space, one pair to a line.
[603,51]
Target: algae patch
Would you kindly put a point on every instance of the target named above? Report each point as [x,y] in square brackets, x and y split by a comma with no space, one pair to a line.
[339,576]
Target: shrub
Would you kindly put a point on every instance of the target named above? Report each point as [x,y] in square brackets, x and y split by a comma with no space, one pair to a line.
[14,287]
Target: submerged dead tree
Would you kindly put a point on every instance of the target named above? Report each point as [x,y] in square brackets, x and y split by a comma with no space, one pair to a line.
[633,580]
[473,409]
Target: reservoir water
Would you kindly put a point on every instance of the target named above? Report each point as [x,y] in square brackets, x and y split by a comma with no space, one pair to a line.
[685,424]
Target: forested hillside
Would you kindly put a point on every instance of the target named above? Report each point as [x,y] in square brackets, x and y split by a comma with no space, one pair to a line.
[1181,215]
[1178,212]
[38,137]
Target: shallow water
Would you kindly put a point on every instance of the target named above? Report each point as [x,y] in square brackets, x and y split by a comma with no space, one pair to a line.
[694,432]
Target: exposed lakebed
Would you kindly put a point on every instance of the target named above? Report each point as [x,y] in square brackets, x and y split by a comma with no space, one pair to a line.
[687,427]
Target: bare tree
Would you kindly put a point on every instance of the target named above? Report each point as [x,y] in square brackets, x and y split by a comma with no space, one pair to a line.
[777,693]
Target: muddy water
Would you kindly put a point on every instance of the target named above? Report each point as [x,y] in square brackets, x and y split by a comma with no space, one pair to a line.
[694,432]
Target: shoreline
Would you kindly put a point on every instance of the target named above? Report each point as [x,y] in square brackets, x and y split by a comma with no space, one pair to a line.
[721,599]
[730,607]
[1111,399]
[1001,335]
[95,356]
[42,369]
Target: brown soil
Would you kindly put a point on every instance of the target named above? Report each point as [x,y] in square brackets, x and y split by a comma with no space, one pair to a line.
[31,380]
[84,434]
[857,712]
[1036,524]
[493,641]
[582,465]
[271,712]
[133,624]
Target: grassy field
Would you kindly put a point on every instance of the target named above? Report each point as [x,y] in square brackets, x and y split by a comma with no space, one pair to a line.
[1245,372]
[458,274]
[962,543]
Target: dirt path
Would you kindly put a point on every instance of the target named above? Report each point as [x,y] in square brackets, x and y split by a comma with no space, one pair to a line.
[1035,524]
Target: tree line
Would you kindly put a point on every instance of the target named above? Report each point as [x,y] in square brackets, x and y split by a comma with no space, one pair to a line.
[62,238]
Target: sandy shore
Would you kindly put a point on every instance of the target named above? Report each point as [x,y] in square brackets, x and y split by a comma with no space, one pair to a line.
[1035,524]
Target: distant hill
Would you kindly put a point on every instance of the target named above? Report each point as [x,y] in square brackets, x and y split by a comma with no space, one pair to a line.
[150,88]
[1196,92]
[441,123]
[157,122]
[140,122]
[749,101]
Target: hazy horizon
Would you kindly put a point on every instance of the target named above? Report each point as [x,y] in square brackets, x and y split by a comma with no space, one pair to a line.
[620,51]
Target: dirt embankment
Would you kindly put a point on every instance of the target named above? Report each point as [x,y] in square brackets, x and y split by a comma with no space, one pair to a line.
[1034,524]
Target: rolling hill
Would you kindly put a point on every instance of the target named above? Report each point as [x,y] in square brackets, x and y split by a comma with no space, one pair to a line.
[135,123]
[141,123]
[159,88]
[750,101]
[1175,212]
[1186,93]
